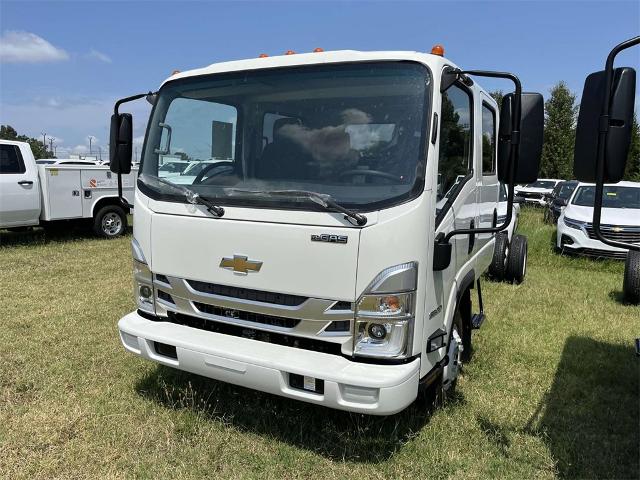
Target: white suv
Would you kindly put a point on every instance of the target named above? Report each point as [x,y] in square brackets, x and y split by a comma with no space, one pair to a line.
[620,220]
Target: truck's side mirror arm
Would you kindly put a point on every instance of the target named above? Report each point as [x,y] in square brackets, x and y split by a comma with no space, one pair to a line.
[604,125]
[121,140]
[448,75]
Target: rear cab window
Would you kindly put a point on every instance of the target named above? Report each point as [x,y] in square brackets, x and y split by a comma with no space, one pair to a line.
[11,161]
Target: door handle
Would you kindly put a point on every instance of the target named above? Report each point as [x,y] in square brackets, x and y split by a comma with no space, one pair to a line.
[472,236]
[25,182]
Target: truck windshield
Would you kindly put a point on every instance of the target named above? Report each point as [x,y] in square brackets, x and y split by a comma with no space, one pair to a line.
[612,197]
[355,132]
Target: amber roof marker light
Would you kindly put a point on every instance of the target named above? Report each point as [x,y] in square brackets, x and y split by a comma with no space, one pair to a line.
[437,49]
[289,52]
[263,55]
[318,50]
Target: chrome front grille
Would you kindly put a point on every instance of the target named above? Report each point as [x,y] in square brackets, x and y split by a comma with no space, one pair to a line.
[255,310]
[247,294]
[530,195]
[247,316]
[621,233]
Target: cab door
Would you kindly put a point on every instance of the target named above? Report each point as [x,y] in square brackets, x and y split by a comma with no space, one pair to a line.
[19,187]
[456,175]
[487,175]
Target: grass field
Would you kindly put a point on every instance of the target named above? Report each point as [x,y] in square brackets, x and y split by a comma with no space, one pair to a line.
[552,390]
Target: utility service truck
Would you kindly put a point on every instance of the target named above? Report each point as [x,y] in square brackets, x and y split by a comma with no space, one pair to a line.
[48,194]
[346,209]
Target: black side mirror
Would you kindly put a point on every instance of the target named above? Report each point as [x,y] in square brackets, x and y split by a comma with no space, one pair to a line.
[562,202]
[121,143]
[531,136]
[618,137]
[441,253]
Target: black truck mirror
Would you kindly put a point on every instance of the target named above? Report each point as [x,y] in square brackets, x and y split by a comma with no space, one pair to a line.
[530,139]
[618,135]
[121,143]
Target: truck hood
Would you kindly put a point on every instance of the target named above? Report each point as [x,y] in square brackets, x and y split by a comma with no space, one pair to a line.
[610,216]
[193,247]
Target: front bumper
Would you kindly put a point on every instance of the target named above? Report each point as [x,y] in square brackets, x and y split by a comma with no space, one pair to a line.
[351,386]
[573,240]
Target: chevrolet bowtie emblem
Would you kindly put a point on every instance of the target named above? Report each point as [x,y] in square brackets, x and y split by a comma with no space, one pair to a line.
[240,264]
[617,229]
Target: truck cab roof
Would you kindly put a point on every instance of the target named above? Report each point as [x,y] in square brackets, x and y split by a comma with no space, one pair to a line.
[434,62]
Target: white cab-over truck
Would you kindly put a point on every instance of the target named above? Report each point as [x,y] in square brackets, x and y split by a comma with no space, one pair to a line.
[313,258]
[47,194]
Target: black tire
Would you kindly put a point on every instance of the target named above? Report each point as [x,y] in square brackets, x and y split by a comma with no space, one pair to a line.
[631,283]
[110,222]
[499,262]
[517,259]
[438,393]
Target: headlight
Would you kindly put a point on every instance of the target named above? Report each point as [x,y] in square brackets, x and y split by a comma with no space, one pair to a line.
[571,223]
[385,320]
[142,280]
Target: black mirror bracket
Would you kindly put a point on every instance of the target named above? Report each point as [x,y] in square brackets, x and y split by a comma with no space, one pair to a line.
[603,128]
[123,201]
[514,141]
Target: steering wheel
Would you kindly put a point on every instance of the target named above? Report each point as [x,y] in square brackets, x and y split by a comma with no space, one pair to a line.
[223,166]
[372,173]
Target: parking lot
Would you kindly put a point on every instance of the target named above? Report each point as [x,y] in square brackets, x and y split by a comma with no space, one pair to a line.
[552,389]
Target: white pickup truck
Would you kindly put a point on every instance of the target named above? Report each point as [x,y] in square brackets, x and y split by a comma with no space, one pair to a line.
[45,194]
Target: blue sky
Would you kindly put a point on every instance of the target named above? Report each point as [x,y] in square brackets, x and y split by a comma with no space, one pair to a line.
[64,63]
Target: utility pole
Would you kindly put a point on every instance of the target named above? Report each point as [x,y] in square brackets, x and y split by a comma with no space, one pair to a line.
[44,140]
[91,138]
[51,144]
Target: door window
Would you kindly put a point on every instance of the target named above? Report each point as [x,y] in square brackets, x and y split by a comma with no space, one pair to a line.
[488,140]
[454,162]
[11,160]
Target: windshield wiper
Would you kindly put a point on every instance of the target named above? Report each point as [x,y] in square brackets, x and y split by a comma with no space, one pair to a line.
[323,199]
[191,196]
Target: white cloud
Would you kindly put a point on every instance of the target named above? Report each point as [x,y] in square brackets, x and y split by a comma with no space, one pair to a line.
[96,55]
[25,47]
[73,118]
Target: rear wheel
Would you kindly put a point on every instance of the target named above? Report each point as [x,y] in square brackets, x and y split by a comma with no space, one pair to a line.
[517,259]
[631,283]
[498,263]
[110,221]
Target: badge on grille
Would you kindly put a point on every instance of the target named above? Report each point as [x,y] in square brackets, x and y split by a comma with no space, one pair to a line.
[240,264]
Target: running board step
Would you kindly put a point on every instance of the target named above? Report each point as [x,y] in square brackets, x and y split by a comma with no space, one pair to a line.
[476,320]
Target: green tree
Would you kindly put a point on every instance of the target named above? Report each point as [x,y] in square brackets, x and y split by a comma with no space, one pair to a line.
[39,149]
[559,133]
[632,172]
[497,95]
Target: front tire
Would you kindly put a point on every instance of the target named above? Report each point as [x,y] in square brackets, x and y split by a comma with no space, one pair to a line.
[110,222]
[631,283]
[444,387]
[517,259]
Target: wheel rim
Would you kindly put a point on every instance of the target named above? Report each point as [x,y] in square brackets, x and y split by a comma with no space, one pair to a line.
[454,352]
[111,224]
[524,265]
